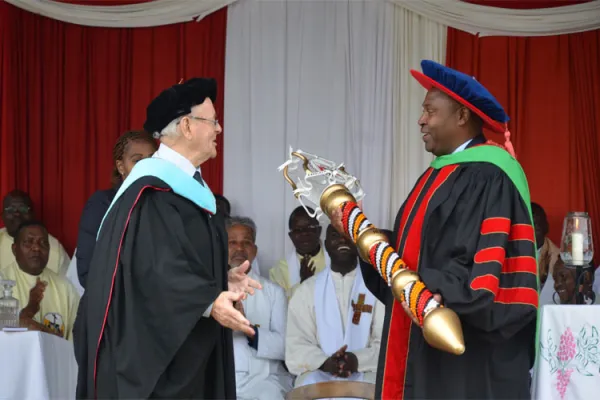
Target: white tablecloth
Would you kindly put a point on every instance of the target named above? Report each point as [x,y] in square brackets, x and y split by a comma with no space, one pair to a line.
[36,366]
[568,367]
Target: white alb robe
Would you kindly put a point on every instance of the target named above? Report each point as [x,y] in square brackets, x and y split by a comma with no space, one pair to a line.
[58,308]
[73,276]
[260,374]
[305,350]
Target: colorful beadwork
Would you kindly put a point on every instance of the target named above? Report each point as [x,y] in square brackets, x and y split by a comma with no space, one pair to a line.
[382,256]
[387,262]
[419,300]
[354,220]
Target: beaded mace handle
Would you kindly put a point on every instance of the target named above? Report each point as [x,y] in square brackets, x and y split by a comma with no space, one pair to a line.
[387,262]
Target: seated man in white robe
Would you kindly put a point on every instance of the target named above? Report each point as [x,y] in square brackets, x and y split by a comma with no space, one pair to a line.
[334,323]
[307,258]
[47,300]
[17,208]
[259,369]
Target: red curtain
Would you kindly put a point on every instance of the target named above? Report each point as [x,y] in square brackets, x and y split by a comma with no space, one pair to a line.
[68,91]
[551,90]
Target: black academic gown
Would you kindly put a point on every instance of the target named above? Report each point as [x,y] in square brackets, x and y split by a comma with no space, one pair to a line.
[438,229]
[159,262]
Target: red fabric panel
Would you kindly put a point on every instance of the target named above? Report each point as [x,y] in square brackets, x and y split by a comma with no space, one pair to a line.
[490,254]
[550,89]
[495,225]
[521,264]
[487,282]
[522,232]
[525,4]
[523,295]
[398,346]
[584,127]
[67,92]
[103,2]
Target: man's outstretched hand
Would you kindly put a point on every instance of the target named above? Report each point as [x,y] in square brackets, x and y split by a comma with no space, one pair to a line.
[240,282]
[225,313]
[437,297]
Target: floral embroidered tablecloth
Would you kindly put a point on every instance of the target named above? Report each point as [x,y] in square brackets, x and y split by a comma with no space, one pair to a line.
[568,366]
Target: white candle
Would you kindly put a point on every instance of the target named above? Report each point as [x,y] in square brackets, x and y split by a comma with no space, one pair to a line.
[577,248]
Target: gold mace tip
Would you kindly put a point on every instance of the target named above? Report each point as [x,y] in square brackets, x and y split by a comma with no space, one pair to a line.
[442,330]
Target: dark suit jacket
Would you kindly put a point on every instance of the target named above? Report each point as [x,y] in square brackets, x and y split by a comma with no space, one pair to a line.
[91,217]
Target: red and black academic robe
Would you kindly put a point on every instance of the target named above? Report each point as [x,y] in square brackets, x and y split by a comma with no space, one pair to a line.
[467,230]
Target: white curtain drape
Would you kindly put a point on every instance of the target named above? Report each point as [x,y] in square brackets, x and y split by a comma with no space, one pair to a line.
[492,21]
[416,38]
[468,17]
[316,75]
[154,13]
[331,78]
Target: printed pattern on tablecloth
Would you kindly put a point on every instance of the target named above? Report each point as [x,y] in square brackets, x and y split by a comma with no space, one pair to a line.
[569,359]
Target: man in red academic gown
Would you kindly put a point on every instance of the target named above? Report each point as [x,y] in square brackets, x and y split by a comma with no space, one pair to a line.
[466,228]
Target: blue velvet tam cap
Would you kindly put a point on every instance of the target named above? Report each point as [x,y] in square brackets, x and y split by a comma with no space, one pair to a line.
[178,101]
[466,90]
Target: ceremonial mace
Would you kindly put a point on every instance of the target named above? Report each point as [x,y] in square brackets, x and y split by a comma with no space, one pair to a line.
[327,186]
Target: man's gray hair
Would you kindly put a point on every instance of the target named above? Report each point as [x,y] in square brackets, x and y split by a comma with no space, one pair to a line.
[245,221]
[170,130]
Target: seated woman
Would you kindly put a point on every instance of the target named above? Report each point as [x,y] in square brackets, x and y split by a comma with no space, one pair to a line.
[566,289]
[131,147]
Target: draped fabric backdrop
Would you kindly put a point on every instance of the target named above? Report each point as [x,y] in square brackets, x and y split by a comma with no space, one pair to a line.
[67,92]
[329,78]
[316,76]
[416,38]
[551,90]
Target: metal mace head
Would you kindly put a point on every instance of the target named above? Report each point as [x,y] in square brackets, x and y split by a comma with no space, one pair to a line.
[319,182]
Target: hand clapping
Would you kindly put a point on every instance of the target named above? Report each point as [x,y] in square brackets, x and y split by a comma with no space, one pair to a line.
[341,364]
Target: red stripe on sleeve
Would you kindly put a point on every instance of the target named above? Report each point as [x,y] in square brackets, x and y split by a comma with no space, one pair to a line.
[519,264]
[486,282]
[521,232]
[495,225]
[518,295]
[491,254]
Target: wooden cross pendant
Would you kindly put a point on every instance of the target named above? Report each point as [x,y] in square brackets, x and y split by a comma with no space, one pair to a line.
[359,308]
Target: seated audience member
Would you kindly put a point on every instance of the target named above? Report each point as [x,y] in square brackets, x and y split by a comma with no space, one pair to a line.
[334,323]
[308,256]
[566,289]
[131,147]
[223,205]
[547,252]
[49,302]
[17,209]
[259,370]
[596,285]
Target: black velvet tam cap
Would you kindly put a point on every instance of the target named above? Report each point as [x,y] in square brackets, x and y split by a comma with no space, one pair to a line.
[177,101]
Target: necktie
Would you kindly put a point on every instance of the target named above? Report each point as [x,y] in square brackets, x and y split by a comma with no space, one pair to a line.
[198,177]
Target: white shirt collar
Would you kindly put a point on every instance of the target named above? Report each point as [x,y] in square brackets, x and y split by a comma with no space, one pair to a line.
[166,153]
[462,146]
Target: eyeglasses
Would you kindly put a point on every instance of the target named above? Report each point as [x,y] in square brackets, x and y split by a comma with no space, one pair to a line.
[215,122]
[20,209]
[307,229]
